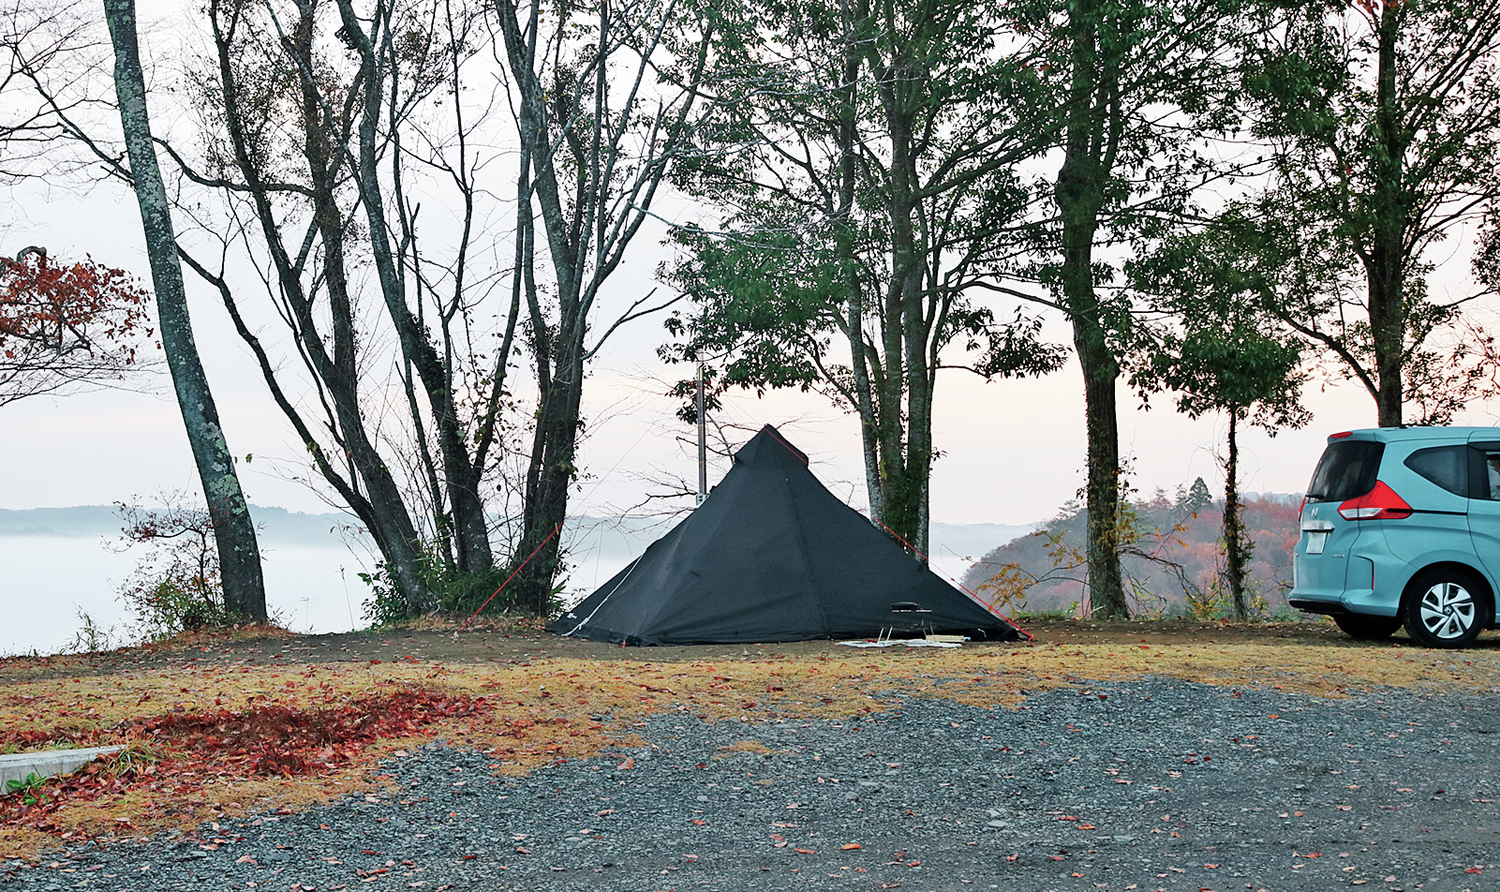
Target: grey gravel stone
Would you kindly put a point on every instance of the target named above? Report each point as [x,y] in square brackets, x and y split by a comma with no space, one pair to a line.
[1164,785]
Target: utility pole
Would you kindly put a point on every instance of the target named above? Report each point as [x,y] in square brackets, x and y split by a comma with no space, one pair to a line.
[702,443]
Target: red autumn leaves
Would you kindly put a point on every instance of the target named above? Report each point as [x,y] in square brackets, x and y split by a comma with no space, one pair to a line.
[66,324]
[277,739]
[178,753]
[64,307]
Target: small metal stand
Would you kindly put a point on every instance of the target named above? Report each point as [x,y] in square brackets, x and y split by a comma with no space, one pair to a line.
[908,615]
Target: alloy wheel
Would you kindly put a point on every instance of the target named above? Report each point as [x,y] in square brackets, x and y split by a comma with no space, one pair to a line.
[1447,611]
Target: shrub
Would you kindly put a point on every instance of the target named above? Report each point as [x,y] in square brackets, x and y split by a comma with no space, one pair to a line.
[176,585]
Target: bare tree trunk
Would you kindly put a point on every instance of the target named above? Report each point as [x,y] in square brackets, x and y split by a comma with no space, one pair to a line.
[592,189]
[469,527]
[1236,548]
[380,505]
[234,531]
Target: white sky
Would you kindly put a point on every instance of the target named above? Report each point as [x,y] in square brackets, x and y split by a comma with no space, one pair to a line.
[1013,451]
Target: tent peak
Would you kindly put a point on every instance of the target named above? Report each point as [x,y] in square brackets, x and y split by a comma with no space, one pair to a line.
[769,448]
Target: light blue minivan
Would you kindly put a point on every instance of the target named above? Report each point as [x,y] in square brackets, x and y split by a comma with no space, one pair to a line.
[1402,525]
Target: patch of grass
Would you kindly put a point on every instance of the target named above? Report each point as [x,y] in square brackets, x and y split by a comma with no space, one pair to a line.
[744,746]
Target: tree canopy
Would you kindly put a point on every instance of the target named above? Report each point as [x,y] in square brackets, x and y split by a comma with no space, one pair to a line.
[65,327]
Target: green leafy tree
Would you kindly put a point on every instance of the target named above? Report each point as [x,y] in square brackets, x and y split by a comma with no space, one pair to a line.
[873,187]
[1383,119]
[1224,353]
[1141,87]
[1195,498]
[1230,366]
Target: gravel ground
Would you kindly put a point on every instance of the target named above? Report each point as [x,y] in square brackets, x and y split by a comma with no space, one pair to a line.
[1153,785]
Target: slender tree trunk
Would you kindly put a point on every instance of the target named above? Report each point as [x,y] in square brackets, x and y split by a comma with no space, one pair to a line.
[1385,262]
[379,505]
[234,530]
[1088,132]
[469,527]
[552,471]
[1236,549]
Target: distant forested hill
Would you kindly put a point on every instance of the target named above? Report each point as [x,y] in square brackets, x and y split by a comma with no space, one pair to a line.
[1044,570]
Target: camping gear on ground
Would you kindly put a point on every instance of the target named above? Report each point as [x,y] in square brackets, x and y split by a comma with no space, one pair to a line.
[771,555]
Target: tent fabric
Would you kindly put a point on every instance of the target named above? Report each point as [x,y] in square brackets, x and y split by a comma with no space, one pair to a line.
[771,555]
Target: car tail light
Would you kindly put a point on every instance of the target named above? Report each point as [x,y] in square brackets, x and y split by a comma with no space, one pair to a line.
[1341,435]
[1380,503]
[1300,507]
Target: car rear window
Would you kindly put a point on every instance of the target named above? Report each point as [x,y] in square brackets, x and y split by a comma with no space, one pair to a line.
[1447,466]
[1346,470]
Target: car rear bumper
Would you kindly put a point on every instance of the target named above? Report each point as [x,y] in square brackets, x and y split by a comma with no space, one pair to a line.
[1358,594]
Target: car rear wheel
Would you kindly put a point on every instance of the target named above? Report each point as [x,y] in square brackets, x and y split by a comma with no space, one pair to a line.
[1368,628]
[1446,608]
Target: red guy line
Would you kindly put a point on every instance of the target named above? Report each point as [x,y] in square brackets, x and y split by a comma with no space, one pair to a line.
[789,447]
[983,603]
[510,577]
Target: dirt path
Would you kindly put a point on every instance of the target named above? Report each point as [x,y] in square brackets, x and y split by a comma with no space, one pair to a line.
[514,645]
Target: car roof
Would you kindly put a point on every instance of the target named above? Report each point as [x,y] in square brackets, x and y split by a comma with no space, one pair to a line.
[1427,432]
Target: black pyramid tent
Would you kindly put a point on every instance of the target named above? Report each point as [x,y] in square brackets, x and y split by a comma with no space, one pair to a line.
[772,555]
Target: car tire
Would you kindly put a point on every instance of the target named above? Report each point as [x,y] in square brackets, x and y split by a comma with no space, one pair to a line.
[1446,608]
[1366,627]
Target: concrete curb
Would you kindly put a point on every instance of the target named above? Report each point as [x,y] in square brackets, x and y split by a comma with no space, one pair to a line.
[19,766]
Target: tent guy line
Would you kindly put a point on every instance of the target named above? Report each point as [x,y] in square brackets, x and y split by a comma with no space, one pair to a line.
[622,577]
[508,579]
